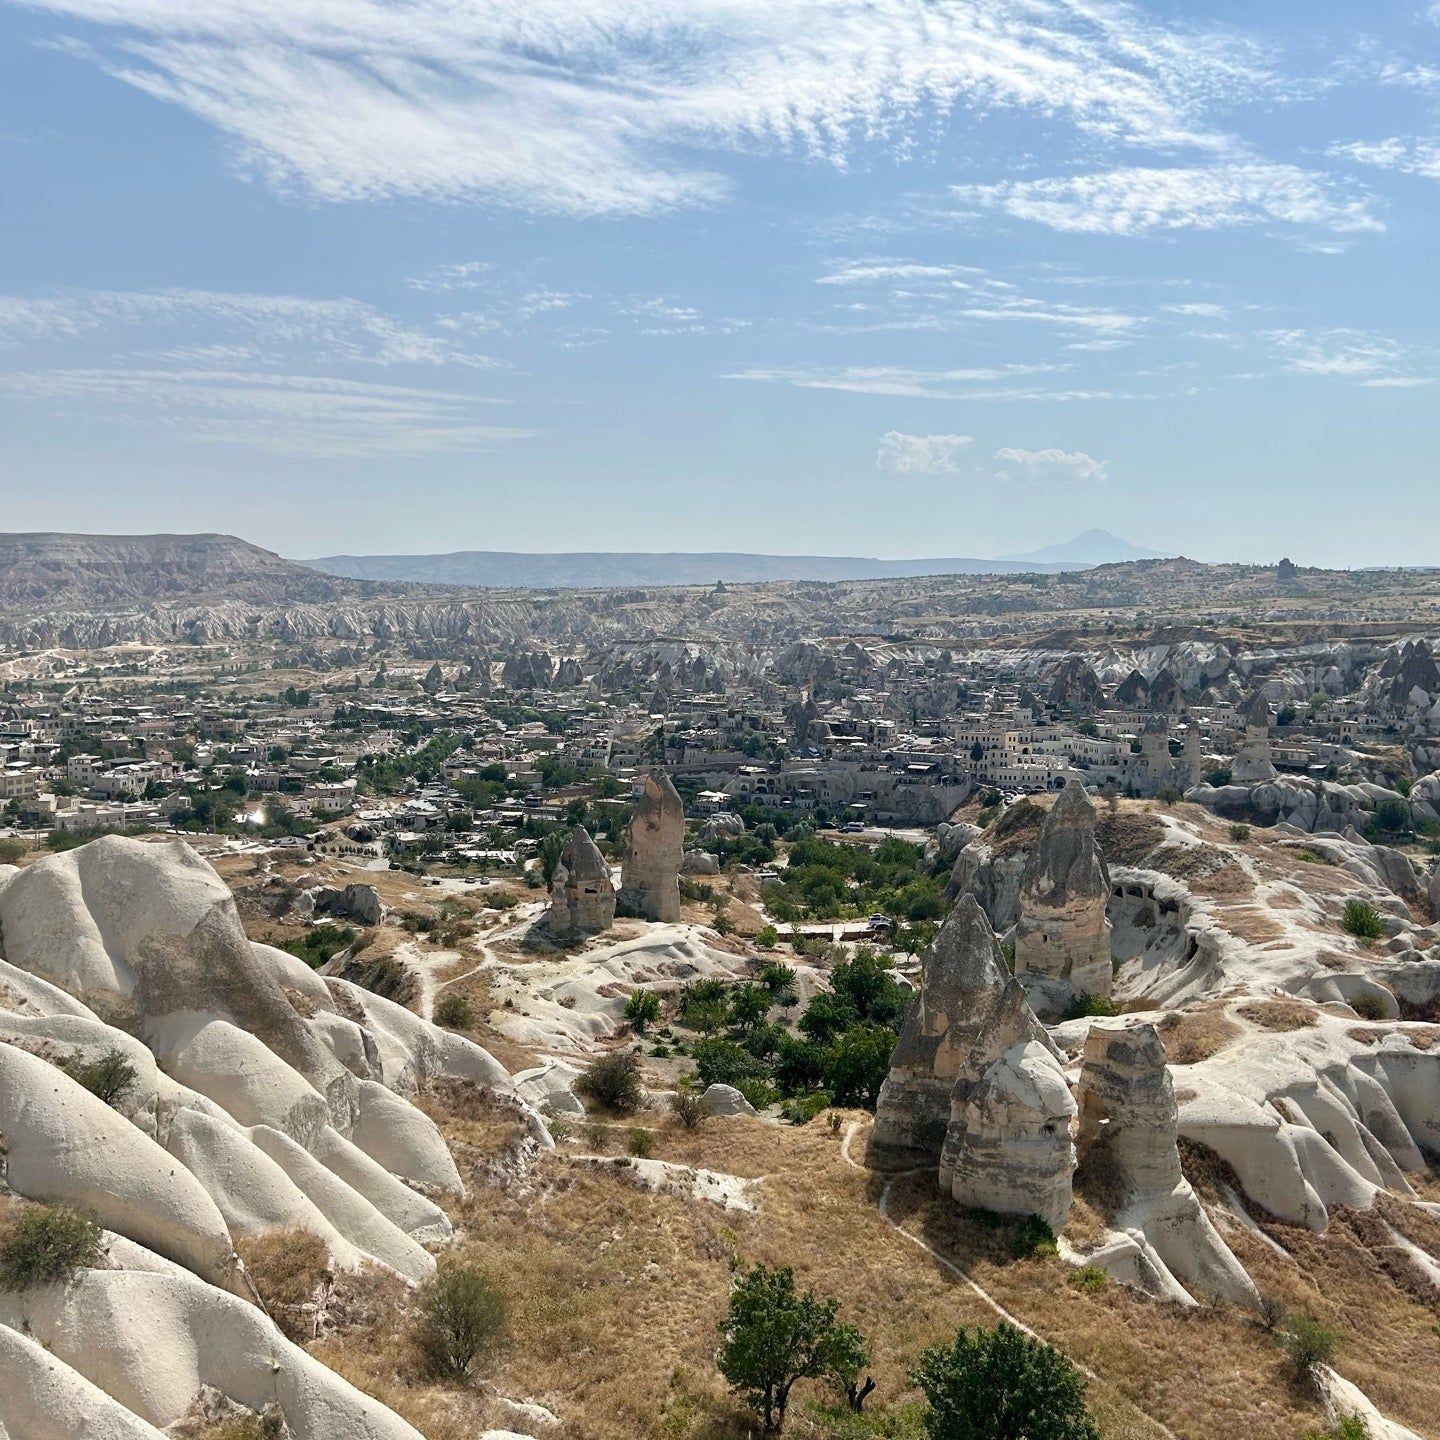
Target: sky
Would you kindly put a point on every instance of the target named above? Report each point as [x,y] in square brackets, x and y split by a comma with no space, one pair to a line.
[878,277]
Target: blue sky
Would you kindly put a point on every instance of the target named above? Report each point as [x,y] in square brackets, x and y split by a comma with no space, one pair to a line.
[829,276]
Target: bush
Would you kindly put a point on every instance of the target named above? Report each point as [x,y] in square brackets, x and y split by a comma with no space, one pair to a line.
[1309,1343]
[759,1093]
[686,1107]
[723,1062]
[12,851]
[460,1320]
[612,1082]
[454,1011]
[642,1009]
[640,1143]
[998,1384]
[1368,1007]
[1272,1312]
[1239,833]
[1034,1238]
[1347,1427]
[108,1076]
[1362,920]
[1091,1005]
[804,1108]
[47,1246]
[1090,1279]
[767,937]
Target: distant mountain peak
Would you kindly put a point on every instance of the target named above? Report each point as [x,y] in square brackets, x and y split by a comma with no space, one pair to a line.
[1090,547]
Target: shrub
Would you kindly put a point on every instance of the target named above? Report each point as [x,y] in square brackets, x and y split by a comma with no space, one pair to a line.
[774,1337]
[1368,1007]
[640,1143]
[723,1062]
[613,1082]
[767,937]
[759,1093]
[454,1011]
[12,851]
[642,1010]
[998,1384]
[1362,920]
[1090,1278]
[1309,1343]
[1347,1427]
[1272,1312]
[1239,833]
[269,1424]
[47,1246]
[686,1107]
[804,1108]
[108,1076]
[1034,1238]
[460,1320]
[1091,1005]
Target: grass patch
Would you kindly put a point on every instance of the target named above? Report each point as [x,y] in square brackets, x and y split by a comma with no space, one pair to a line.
[289,1269]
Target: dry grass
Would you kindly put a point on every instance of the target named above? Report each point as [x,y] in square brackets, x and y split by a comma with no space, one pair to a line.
[1278,1014]
[1127,837]
[291,1271]
[616,1293]
[1196,1035]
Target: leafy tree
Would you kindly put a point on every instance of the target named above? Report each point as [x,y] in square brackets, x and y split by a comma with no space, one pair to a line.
[108,1076]
[723,1062]
[828,1016]
[460,1320]
[857,1063]
[774,1336]
[613,1082]
[1002,1384]
[767,937]
[749,1005]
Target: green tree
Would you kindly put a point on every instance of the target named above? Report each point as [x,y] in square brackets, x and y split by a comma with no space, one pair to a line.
[1002,1384]
[749,1005]
[460,1320]
[774,1336]
[857,1063]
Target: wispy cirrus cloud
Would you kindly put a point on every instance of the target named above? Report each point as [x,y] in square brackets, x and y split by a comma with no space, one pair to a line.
[903,454]
[328,331]
[894,380]
[296,415]
[1375,361]
[608,107]
[1138,200]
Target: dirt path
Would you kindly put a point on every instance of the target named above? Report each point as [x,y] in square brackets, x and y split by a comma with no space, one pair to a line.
[976,1288]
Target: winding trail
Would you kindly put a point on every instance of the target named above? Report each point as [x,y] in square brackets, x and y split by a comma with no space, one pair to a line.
[974,1286]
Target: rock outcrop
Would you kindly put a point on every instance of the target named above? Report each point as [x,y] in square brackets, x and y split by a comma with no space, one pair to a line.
[258,1097]
[1127,1150]
[354,902]
[1062,940]
[1009,1146]
[962,976]
[650,876]
[582,897]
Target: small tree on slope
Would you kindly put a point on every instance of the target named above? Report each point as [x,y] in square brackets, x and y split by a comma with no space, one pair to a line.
[774,1337]
[1001,1384]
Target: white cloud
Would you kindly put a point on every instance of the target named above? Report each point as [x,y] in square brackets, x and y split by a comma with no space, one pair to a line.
[284,414]
[1343,354]
[894,380]
[903,454]
[1410,156]
[1049,467]
[464,275]
[324,331]
[600,106]
[1141,199]
[1200,308]
[871,272]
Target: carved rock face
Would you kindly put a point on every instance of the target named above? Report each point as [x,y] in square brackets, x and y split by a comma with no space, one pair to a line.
[962,978]
[650,877]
